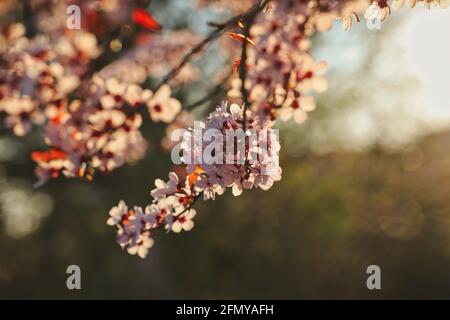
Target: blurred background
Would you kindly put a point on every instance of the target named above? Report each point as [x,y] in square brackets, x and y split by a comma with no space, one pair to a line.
[366,180]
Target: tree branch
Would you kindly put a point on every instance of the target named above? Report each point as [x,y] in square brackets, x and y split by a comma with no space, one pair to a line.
[212,36]
[28,19]
[212,93]
[248,22]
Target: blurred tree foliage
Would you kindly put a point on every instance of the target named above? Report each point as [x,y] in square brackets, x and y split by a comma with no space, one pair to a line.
[312,236]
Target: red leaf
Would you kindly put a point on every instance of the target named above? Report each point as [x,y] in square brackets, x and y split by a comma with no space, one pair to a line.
[49,155]
[240,37]
[236,65]
[145,19]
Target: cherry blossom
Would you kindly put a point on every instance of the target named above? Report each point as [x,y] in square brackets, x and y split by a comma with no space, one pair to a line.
[117,213]
[162,106]
[163,189]
[378,10]
[184,221]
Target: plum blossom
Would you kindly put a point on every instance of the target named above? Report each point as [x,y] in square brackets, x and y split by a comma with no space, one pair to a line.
[141,245]
[210,186]
[117,213]
[378,10]
[163,189]
[162,106]
[297,108]
[184,221]
[21,115]
[132,233]
[158,212]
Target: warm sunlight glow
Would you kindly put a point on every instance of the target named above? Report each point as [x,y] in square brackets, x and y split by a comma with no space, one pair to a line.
[426,54]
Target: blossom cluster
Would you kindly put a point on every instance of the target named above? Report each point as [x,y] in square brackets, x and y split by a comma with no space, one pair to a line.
[231,155]
[281,72]
[39,72]
[171,208]
[379,10]
[100,132]
[91,121]
[97,133]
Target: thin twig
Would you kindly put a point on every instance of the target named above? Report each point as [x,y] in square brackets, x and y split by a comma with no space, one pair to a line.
[103,59]
[243,68]
[212,93]
[212,36]
[28,19]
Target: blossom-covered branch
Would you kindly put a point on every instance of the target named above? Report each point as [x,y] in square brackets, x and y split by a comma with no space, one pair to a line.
[172,203]
[276,73]
[89,102]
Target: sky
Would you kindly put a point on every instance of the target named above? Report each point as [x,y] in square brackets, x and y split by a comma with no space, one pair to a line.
[425,39]
[401,97]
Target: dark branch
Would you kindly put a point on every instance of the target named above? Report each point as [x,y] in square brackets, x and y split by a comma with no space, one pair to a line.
[212,93]
[28,19]
[212,36]
[248,22]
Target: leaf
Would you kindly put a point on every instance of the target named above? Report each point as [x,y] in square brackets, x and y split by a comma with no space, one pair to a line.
[236,65]
[347,23]
[145,19]
[49,155]
[192,178]
[240,37]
